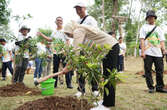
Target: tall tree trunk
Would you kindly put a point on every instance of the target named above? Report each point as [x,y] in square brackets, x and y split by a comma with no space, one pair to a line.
[115,12]
[137,35]
[103,16]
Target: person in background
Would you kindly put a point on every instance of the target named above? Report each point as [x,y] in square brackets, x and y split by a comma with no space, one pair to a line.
[47,67]
[59,36]
[41,49]
[21,54]
[112,34]
[152,50]
[122,45]
[85,20]
[6,58]
[29,67]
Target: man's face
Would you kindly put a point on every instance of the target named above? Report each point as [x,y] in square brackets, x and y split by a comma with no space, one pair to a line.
[151,19]
[80,11]
[120,40]
[2,43]
[59,21]
[24,32]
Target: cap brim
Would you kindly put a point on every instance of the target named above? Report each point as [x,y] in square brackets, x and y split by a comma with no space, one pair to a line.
[25,29]
[151,15]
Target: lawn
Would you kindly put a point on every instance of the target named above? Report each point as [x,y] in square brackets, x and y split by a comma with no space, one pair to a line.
[131,94]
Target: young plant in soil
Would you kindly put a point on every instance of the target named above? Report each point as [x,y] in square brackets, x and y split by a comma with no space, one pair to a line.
[89,64]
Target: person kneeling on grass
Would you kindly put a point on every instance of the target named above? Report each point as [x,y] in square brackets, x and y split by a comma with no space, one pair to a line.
[78,33]
[6,59]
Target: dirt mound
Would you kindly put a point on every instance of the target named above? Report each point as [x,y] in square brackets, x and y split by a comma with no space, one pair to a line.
[17,89]
[56,103]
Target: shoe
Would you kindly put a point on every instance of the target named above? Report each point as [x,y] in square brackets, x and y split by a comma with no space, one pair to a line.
[143,75]
[69,86]
[95,93]
[79,94]
[100,107]
[98,103]
[151,91]
[120,72]
[161,90]
[35,79]
[3,78]
[36,83]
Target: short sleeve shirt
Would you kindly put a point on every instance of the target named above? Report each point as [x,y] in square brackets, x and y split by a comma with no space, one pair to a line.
[6,57]
[152,43]
[58,37]
[26,51]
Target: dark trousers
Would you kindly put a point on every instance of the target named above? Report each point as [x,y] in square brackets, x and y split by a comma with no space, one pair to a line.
[21,66]
[81,82]
[120,64]
[159,68]
[6,65]
[110,62]
[56,62]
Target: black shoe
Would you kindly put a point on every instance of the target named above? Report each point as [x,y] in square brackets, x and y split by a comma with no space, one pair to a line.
[151,91]
[143,75]
[36,83]
[3,79]
[69,86]
[161,90]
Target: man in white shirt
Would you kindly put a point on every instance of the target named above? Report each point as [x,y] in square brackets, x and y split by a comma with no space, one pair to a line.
[57,37]
[86,20]
[152,50]
[120,64]
[22,54]
[6,58]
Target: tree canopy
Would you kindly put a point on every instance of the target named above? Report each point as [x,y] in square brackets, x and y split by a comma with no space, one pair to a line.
[4,12]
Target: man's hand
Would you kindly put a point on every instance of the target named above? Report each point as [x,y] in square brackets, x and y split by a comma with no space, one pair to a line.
[39,34]
[143,55]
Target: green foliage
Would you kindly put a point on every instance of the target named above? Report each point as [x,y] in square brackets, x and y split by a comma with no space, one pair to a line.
[58,45]
[96,12]
[46,32]
[130,36]
[88,63]
[28,46]
[4,12]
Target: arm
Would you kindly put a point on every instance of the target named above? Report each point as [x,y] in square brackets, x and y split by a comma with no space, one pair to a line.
[10,52]
[142,47]
[45,37]
[64,71]
[162,43]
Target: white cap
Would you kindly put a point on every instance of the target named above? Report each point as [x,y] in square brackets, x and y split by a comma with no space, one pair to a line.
[80,4]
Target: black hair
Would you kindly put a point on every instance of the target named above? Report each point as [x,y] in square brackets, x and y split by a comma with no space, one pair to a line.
[59,17]
[2,40]
[111,33]
[120,38]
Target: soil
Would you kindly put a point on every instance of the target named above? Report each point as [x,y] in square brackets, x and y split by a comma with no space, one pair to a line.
[56,103]
[18,89]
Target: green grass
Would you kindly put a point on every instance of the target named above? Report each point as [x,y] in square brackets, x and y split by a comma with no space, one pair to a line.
[130,95]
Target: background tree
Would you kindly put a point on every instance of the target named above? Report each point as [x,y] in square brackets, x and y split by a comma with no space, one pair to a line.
[114,5]
[4,19]
[4,12]
[135,10]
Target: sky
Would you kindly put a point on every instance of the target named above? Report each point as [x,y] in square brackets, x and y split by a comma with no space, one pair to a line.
[43,12]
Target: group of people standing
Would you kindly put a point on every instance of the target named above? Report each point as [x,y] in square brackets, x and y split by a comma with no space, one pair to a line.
[85,31]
